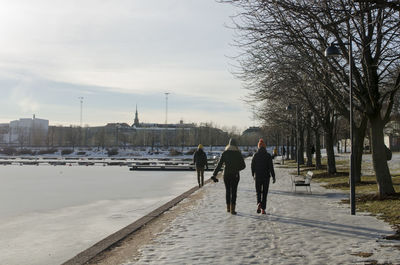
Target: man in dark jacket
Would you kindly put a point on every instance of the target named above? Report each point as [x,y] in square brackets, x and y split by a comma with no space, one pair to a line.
[233,160]
[200,160]
[262,169]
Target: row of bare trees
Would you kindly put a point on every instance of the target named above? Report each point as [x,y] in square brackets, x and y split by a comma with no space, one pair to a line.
[123,136]
[283,62]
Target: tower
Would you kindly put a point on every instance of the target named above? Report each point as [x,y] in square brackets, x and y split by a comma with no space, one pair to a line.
[136,121]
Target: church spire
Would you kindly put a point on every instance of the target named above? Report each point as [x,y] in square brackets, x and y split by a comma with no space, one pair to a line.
[136,122]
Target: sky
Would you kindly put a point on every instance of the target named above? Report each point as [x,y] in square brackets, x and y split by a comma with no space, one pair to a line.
[119,54]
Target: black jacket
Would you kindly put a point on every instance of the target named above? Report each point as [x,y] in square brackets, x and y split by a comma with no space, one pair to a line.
[200,158]
[233,160]
[261,165]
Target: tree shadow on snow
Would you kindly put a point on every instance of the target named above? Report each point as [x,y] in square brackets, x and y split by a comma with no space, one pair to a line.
[298,193]
[337,195]
[320,226]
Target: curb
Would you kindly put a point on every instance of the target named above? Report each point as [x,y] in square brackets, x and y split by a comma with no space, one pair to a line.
[106,243]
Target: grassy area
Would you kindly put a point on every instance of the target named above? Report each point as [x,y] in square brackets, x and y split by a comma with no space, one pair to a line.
[367,199]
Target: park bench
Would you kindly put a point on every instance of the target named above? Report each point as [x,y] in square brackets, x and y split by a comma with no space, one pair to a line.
[304,181]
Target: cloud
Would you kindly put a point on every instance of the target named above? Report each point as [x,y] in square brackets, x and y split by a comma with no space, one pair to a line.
[116,54]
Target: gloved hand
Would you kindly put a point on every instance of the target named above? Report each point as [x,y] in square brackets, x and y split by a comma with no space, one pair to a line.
[214,179]
[273,180]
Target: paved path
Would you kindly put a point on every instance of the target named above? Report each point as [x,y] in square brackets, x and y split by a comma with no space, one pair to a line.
[299,229]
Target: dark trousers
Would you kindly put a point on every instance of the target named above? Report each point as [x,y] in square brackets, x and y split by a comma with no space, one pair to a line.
[231,185]
[262,186]
[200,175]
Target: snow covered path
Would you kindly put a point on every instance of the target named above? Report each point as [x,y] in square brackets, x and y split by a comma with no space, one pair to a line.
[299,228]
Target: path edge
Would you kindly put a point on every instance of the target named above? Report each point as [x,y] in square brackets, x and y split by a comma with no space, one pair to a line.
[88,254]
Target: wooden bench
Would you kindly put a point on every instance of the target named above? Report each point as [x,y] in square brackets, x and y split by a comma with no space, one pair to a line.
[304,181]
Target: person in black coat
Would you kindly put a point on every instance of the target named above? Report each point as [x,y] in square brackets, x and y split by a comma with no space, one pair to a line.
[233,160]
[262,169]
[200,160]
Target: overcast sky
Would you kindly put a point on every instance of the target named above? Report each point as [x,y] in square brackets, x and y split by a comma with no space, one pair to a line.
[116,54]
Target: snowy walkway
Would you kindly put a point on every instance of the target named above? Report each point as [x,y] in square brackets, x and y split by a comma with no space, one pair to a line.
[298,229]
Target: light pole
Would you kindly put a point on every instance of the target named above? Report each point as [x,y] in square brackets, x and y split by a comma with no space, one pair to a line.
[331,51]
[166,107]
[290,108]
[166,118]
[81,101]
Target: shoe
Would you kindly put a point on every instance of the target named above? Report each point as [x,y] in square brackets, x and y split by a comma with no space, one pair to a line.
[228,208]
[233,209]
[214,179]
[263,211]
[259,208]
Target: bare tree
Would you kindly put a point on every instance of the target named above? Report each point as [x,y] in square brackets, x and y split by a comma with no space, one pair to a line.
[290,27]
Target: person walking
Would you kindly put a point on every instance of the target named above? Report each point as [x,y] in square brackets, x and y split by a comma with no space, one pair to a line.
[233,160]
[262,169]
[200,160]
[275,153]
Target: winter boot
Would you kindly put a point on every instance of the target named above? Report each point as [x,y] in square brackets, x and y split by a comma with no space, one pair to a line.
[228,208]
[233,208]
[259,208]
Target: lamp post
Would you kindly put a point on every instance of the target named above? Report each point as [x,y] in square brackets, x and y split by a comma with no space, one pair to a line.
[166,107]
[331,51]
[289,108]
[81,101]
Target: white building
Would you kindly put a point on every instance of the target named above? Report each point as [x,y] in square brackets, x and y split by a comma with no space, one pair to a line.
[27,132]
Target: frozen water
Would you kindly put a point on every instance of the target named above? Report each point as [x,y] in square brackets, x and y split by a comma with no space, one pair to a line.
[48,214]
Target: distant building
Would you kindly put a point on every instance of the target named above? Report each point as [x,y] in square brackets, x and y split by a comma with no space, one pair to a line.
[250,136]
[4,133]
[136,121]
[252,131]
[25,132]
[159,126]
[392,133]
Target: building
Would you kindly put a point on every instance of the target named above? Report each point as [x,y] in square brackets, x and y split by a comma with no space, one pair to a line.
[25,132]
[4,135]
[392,133]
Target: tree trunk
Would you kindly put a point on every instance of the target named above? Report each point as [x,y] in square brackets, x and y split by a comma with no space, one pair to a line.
[330,152]
[382,173]
[287,147]
[309,145]
[318,163]
[338,146]
[359,135]
[301,145]
[292,150]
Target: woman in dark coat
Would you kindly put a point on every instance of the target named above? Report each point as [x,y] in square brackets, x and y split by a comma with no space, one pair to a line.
[200,160]
[233,160]
[262,169]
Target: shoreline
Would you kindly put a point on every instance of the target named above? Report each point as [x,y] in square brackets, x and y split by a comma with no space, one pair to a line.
[142,231]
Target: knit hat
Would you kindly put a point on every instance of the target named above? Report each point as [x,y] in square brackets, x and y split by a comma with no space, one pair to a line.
[200,146]
[261,143]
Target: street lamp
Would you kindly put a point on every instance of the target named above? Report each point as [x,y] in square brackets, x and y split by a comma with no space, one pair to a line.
[332,51]
[81,101]
[290,108]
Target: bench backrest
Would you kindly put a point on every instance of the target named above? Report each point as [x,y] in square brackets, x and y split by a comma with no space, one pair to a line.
[308,177]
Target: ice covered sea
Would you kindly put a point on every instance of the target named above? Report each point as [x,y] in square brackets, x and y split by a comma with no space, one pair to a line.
[48,214]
